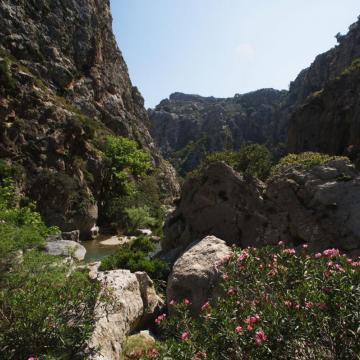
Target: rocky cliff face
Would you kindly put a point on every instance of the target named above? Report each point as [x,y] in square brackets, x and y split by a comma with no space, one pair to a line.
[187,127]
[328,119]
[64,87]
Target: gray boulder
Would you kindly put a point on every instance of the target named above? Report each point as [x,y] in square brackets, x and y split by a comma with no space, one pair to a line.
[132,299]
[318,205]
[222,203]
[66,248]
[195,275]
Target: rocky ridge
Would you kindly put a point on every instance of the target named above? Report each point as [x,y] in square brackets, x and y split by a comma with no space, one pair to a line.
[187,127]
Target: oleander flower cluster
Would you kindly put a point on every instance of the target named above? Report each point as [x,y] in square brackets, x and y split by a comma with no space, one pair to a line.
[278,302]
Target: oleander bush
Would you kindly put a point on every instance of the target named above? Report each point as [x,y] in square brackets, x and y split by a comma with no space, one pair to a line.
[277,303]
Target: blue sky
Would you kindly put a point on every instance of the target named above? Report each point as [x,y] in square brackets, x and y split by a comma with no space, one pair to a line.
[223,47]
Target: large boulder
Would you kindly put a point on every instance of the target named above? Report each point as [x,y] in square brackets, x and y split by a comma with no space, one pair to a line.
[66,248]
[222,203]
[130,299]
[195,275]
[319,206]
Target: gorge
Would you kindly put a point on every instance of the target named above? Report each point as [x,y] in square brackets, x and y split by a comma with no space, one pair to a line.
[229,265]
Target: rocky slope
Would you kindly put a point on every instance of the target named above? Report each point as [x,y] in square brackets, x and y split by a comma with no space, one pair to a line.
[64,86]
[187,127]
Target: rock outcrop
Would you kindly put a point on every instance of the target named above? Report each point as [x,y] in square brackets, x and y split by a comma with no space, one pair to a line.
[66,248]
[187,127]
[64,87]
[129,299]
[195,275]
[318,206]
[222,203]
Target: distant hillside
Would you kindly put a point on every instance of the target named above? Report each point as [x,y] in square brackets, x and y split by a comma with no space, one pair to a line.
[187,127]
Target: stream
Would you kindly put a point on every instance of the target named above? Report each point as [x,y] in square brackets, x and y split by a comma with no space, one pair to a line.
[96,250]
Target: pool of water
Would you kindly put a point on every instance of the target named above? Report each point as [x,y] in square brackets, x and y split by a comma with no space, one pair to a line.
[95,251]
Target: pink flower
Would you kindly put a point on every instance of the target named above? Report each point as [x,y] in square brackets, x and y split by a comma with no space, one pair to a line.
[153,353]
[187,302]
[331,252]
[280,243]
[185,335]
[318,255]
[159,319]
[305,246]
[339,268]
[199,355]
[244,255]
[231,291]
[260,337]
[205,306]
[239,329]
[172,302]
[289,251]
[288,303]
[250,328]
[330,263]
[309,305]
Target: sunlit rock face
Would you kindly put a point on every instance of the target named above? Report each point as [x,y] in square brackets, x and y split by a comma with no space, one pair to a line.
[65,86]
[317,206]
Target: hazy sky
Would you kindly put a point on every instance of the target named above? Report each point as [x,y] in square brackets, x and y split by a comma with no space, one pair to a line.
[223,47]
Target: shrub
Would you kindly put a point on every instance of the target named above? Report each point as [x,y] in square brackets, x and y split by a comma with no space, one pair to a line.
[46,309]
[304,160]
[128,166]
[251,159]
[137,217]
[277,303]
[135,257]
[20,227]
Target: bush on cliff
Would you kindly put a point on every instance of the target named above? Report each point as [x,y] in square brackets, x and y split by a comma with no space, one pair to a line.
[277,303]
[303,161]
[251,159]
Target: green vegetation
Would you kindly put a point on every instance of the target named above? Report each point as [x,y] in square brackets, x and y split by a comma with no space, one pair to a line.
[135,257]
[303,161]
[131,194]
[355,65]
[6,81]
[251,159]
[278,304]
[46,307]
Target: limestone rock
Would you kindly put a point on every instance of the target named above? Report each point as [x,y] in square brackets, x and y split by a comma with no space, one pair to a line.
[195,275]
[221,203]
[132,298]
[317,205]
[66,248]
